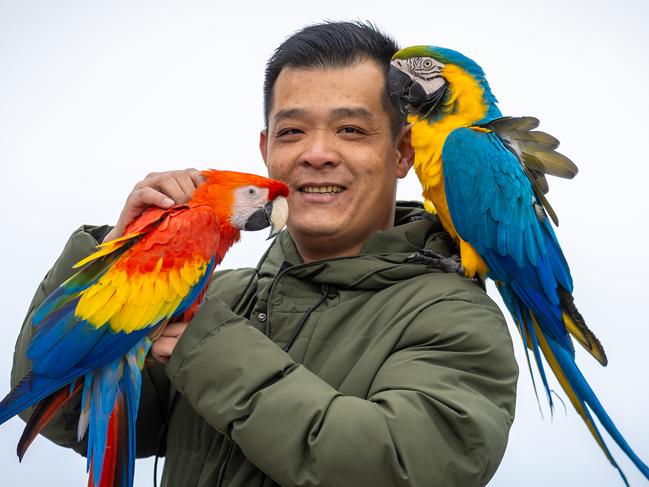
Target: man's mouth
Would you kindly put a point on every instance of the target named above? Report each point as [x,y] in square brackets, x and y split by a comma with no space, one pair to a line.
[322,189]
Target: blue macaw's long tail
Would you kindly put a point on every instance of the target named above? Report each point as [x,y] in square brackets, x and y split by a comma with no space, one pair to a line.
[572,381]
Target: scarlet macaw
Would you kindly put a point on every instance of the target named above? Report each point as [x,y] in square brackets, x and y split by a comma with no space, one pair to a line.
[484,175]
[93,332]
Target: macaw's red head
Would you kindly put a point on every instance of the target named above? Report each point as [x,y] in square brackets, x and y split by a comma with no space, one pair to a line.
[244,201]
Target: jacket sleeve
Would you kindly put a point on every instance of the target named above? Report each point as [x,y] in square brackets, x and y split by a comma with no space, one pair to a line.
[62,429]
[438,411]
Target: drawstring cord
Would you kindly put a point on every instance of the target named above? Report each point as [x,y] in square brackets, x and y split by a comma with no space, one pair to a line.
[300,325]
[161,437]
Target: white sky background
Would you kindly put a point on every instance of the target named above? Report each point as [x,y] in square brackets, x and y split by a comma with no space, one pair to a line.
[94,95]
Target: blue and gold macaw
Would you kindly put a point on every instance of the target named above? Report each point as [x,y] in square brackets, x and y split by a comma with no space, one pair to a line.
[484,176]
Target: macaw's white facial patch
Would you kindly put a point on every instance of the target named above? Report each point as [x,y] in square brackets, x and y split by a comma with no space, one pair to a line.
[247,200]
[426,71]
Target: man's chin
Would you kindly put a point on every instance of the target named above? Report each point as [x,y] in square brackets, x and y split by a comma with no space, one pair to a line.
[318,228]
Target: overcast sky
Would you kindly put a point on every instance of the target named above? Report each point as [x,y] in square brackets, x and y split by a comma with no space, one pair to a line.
[94,95]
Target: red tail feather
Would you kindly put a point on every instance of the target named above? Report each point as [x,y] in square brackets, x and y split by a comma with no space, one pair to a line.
[44,412]
[110,454]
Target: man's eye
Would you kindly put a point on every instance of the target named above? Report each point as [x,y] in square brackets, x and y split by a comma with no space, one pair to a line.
[285,132]
[351,130]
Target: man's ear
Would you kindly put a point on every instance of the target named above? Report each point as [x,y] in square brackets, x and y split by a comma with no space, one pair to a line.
[405,151]
[263,145]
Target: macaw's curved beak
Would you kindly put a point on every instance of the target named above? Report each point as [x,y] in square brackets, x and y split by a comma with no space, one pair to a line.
[413,96]
[278,215]
[399,87]
[273,214]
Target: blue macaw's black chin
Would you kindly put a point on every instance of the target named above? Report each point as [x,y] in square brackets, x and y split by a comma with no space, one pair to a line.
[430,101]
[420,103]
[260,219]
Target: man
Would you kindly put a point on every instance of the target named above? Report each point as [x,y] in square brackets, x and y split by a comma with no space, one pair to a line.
[342,359]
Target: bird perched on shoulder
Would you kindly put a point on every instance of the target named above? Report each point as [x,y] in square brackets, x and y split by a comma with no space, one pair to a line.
[91,335]
[484,175]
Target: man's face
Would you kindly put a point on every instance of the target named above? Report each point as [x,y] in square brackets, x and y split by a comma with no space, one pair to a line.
[329,139]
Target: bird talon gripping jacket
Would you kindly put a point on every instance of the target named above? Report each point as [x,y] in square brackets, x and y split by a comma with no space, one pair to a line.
[484,176]
[92,334]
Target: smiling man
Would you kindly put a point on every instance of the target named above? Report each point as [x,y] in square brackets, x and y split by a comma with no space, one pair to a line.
[330,136]
[346,357]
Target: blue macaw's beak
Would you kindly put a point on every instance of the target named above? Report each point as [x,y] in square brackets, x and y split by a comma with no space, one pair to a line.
[411,95]
[399,87]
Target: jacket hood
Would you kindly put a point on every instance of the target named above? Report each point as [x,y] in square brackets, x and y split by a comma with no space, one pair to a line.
[383,259]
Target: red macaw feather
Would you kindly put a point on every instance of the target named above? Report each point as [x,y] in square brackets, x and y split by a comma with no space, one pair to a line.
[43,413]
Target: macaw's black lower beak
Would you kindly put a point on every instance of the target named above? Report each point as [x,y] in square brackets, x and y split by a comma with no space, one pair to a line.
[260,219]
[273,214]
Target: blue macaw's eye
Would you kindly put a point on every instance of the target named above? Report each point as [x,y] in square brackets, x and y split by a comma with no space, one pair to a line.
[428,63]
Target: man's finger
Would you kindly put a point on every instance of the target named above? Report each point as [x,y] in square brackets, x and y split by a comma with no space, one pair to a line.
[162,349]
[164,345]
[186,183]
[175,330]
[169,186]
[147,196]
[197,176]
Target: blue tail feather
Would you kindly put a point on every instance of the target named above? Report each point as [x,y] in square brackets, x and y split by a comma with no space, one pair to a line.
[118,383]
[35,387]
[104,393]
[577,382]
[30,390]
[585,393]
[523,319]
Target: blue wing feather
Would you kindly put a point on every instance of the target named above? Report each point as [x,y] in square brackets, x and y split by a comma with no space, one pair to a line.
[198,288]
[492,205]
[507,230]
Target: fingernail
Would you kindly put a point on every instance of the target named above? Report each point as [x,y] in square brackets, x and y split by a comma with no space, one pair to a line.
[168,202]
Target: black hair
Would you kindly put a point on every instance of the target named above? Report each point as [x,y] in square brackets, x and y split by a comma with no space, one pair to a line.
[333,45]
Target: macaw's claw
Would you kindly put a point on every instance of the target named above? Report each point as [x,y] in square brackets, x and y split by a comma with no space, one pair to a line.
[437,261]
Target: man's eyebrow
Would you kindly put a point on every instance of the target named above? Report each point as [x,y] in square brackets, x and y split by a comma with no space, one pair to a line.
[336,113]
[351,112]
[289,113]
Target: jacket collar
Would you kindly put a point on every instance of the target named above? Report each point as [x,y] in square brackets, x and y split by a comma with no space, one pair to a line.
[382,261]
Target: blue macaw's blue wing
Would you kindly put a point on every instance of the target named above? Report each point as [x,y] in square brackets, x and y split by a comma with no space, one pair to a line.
[492,205]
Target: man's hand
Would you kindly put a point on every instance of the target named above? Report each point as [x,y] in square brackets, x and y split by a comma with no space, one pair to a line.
[164,346]
[163,189]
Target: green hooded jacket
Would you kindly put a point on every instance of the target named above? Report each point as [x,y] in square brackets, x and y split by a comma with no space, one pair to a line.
[368,370]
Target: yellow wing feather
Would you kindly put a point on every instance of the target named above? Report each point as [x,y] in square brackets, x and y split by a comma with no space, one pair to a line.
[107,248]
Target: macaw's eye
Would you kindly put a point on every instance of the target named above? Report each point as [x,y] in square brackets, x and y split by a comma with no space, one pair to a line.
[252,192]
[428,63]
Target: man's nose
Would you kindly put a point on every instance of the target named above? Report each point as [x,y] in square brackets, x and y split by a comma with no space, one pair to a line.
[321,150]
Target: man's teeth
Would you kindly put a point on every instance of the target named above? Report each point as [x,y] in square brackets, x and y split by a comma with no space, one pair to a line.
[323,189]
